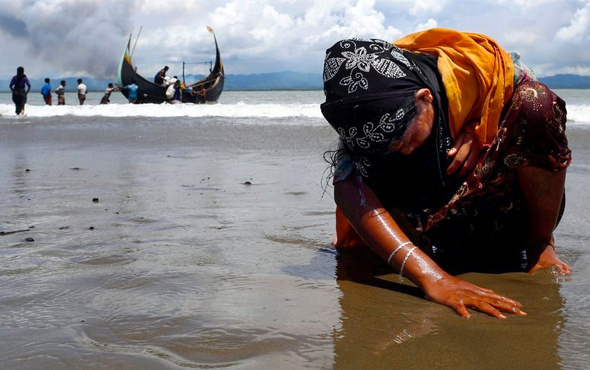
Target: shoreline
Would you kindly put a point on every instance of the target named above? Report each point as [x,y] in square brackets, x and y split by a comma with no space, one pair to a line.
[209,247]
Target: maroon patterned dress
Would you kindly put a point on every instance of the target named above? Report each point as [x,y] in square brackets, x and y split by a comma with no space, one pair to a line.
[486,219]
[483,226]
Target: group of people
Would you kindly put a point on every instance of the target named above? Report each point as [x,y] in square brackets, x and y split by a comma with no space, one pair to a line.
[20,87]
[60,91]
[452,158]
[175,87]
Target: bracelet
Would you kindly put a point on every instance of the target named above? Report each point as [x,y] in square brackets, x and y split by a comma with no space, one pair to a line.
[397,250]
[401,270]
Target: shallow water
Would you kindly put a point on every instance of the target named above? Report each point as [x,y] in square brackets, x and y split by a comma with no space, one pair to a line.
[208,247]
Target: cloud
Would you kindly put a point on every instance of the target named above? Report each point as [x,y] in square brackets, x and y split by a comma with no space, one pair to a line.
[431,23]
[281,38]
[578,28]
[12,26]
[427,7]
[86,37]
[76,36]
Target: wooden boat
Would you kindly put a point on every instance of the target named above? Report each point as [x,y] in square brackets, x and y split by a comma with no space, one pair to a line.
[150,92]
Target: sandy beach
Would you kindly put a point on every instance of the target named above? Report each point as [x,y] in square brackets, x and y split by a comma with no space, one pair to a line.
[154,243]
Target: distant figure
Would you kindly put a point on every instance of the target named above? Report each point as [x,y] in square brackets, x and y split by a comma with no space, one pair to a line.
[132,95]
[170,91]
[107,93]
[19,92]
[81,91]
[177,98]
[184,90]
[159,79]
[61,93]
[46,91]
[202,95]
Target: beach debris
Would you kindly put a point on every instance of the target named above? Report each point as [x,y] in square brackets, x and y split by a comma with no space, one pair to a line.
[75,168]
[64,227]
[94,200]
[247,183]
[29,239]
[91,228]
[27,170]
[12,232]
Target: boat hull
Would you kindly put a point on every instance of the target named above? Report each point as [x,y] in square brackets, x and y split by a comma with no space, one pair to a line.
[213,88]
[150,92]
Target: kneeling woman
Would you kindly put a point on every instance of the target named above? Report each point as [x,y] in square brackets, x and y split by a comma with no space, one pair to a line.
[452,158]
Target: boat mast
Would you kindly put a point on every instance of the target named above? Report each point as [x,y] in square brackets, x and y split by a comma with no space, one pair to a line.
[137,38]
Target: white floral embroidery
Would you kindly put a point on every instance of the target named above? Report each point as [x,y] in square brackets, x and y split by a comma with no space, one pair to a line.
[362,165]
[331,67]
[397,54]
[359,60]
[353,82]
[372,133]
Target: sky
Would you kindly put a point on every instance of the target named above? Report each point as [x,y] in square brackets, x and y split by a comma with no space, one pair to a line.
[70,38]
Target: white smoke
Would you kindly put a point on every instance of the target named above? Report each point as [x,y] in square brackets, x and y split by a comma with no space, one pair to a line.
[75,37]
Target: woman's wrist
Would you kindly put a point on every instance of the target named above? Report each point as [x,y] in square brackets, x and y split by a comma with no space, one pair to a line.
[396,250]
[418,267]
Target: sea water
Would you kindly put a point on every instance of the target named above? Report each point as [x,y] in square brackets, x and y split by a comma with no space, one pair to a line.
[255,106]
[250,106]
[208,247]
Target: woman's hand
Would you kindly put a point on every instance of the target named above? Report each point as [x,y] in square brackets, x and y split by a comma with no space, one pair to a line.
[543,257]
[460,295]
[376,226]
[466,152]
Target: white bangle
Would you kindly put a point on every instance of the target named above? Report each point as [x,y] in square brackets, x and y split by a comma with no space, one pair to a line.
[397,250]
[401,270]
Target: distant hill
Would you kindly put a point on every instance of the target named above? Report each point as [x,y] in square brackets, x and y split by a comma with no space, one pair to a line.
[567,82]
[277,81]
[263,81]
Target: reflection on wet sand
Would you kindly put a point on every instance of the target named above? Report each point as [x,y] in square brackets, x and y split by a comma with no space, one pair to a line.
[187,267]
[387,323]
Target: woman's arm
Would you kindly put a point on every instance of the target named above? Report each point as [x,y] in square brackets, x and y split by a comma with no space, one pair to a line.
[379,230]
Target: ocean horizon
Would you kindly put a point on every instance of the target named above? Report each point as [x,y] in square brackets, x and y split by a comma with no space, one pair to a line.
[264,105]
[285,80]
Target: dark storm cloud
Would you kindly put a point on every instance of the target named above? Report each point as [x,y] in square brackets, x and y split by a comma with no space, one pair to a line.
[73,36]
[12,26]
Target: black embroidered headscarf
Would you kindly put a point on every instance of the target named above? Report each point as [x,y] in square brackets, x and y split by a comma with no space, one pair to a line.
[370,87]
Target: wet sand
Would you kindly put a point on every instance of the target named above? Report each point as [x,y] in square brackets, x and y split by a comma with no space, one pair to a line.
[164,244]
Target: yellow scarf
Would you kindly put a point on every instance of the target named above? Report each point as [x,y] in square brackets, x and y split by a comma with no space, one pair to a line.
[476,72]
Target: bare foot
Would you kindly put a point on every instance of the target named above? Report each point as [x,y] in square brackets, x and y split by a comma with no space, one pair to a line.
[545,258]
